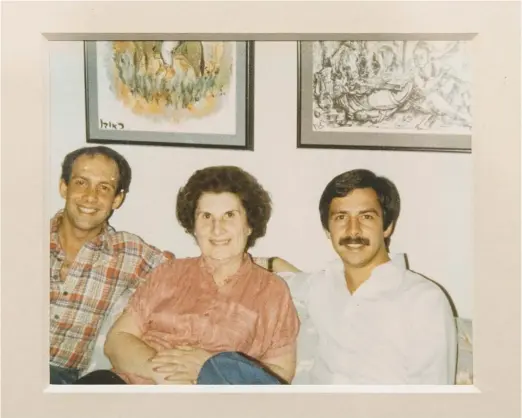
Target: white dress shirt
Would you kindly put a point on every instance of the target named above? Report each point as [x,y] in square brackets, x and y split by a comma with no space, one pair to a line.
[396,328]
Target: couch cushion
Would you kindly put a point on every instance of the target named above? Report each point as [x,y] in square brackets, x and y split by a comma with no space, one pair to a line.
[465,351]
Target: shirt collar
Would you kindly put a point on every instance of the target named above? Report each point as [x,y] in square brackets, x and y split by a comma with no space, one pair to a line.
[244,268]
[384,278]
[100,242]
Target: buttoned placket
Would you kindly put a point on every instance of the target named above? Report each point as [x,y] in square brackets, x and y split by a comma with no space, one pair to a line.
[222,290]
[66,286]
[351,309]
[57,281]
[63,292]
[208,285]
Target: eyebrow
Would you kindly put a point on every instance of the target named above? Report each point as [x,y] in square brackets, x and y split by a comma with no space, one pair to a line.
[361,212]
[86,179]
[206,211]
[108,184]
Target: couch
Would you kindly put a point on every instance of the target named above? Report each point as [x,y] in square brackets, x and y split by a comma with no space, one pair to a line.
[305,345]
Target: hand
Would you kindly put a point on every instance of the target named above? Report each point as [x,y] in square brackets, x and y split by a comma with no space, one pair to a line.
[180,364]
[160,378]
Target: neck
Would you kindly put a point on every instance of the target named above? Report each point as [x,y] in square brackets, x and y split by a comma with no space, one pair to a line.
[224,268]
[356,276]
[72,239]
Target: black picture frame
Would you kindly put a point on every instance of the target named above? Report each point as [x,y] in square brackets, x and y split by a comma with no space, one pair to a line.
[413,140]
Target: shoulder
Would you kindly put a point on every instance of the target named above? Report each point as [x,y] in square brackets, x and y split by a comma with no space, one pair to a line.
[423,294]
[172,270]
[268,281]
[127,242]
[321,277]
[176,266]
[331,272]
[417,283]
[120,239]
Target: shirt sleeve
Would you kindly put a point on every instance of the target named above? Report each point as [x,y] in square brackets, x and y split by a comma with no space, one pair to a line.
[151,292]
[150,258]
[286,327]
[434,341]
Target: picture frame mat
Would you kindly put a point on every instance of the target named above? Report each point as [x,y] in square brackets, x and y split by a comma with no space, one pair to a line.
[496,156]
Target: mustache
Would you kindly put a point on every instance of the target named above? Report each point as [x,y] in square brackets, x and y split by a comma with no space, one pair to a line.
[354,240]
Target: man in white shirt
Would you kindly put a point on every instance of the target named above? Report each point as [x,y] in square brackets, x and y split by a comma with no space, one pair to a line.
[375,321]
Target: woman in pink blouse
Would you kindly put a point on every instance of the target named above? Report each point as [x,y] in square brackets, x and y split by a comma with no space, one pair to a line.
[213,319]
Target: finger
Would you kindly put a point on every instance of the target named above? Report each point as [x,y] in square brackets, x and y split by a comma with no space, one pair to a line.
[175,351]
[179,376]
[165,369]
[169,351]
[170,368]
[182,380]
[163,363]
[185,347]
[165,359]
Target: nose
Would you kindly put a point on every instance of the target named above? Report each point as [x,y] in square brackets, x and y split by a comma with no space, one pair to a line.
[90,195]
[217,227]
[353,227]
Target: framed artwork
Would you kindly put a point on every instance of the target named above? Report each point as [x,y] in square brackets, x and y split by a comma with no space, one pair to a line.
[385,94]
[177,93]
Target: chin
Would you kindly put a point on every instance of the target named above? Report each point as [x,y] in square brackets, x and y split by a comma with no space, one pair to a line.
[357,265]
[221,256]
[86,227]
[355,260]
[217,255]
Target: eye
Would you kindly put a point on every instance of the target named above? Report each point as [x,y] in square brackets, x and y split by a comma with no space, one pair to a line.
[104,188]
[205,215]
[229,215]
[367,217]
[339,217]
[79,182]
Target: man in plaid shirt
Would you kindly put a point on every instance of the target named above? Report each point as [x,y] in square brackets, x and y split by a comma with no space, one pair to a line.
[91,264]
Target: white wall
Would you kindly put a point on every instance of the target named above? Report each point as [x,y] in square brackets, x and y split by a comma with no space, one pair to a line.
[434,228]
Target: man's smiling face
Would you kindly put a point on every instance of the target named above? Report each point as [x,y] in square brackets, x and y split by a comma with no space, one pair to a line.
[355,227]
[92,193]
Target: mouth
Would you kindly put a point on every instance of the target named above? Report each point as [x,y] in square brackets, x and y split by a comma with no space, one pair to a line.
[219,243]
[354,246]
[87,211]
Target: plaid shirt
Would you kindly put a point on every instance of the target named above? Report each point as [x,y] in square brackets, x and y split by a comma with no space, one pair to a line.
[104,268]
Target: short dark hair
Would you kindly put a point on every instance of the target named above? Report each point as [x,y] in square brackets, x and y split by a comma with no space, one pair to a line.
[124,169]
[226,179]
[345,183]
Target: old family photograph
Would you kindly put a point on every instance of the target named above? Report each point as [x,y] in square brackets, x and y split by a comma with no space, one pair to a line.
[195,239]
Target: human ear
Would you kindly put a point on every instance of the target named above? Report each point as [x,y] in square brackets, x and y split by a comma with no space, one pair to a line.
[63,189]
[388,231]
[118,200]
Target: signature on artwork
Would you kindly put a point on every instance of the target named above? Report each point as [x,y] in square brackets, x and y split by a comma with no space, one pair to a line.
[111,125]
